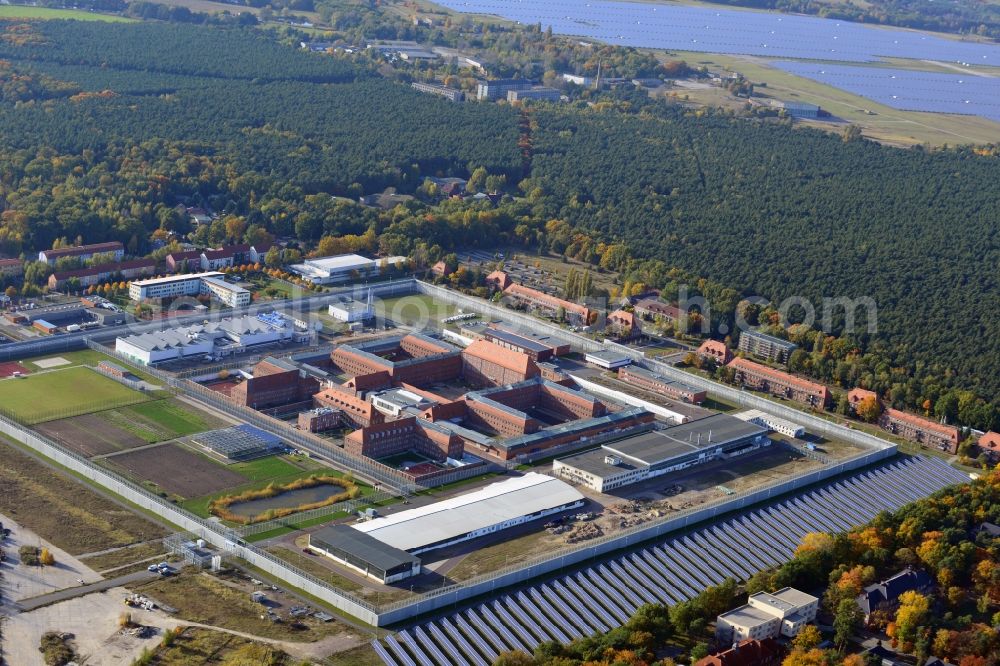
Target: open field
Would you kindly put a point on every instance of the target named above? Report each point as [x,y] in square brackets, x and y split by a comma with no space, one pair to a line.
[121,557]
[62,393]
[176,470]
[199,597]
[61,510]
[89,435]
[363,655]
[18,11]
[882,124]
[417,310]
[162,420]
[203,646]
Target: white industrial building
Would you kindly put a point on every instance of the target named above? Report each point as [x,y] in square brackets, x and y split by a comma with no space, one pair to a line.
[771,422]
[215,339]
[496,507]
[767,615]
[608,360]
[341,268]
[349,310]
[210,282]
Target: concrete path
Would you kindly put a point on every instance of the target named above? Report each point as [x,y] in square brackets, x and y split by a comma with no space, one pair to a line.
[20,581]
[33,603]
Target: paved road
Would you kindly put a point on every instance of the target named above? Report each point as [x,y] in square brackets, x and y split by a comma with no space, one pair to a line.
[26,605]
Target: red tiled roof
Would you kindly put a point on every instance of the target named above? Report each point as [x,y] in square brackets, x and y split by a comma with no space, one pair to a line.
[10,262]
[105,268]
[856,395]
[180,256]
[622,318]
[96,248]
[520,291]
[511,360]
[657,308]
[990,440]
[922,423]
[714,348]
[756,368]
[502,279]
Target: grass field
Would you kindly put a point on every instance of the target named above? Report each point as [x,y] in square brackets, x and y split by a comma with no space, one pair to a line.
[62,510]
[63,393]
[414,310]
[160,420]
[17,11]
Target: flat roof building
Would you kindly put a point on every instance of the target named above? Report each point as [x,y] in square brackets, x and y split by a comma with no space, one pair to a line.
[657,452]
[608,360]
[772,422]
[766,346]
[341,268]
[767,615]
[349,310]
[364,553]
[496,507]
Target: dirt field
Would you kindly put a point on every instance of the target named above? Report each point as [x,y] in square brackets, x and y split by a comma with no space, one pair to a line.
[90,435]
[177,470]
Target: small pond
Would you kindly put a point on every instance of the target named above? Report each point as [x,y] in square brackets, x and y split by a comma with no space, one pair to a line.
[288,499]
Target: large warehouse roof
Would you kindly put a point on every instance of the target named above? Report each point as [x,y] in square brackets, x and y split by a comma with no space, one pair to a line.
[457,516]
[662,445]
[342,538]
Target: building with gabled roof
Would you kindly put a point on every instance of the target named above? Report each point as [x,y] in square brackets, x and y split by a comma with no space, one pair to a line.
[989,444]
[83,252]
[750,652]
[655,309]
[487,364]
[926,432]
[355,408]
[776,382]
[715,350]
[885,594]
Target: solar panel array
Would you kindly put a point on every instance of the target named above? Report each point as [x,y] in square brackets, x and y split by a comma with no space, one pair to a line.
[604,595]
[909,90]
[711,30]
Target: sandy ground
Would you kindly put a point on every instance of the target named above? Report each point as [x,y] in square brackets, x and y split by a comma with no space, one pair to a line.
[52,362]
[23,582]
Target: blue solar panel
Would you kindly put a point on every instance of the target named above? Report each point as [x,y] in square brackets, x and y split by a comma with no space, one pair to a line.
[494,630]
[910,90]
[527,611]
[546,610]
[398,652]
[665,591]
[384,654]
[717,30]
[591,581]
[424,641]
[658,559]
[527,639]
[632,583]
[593,612]
[580,625]
[462,643]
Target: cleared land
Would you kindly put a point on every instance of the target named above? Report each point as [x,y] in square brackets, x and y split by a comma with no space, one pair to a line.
[176,470]
[62,510]
[202,646]
[17,11]
[89,435]
[62,393]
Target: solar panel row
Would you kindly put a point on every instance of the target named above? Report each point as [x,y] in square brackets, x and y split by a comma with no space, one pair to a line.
[604,595]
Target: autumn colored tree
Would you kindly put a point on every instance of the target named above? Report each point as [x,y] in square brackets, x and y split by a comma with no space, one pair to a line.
[46,558]
[869,409]
[808,638]
[911,617]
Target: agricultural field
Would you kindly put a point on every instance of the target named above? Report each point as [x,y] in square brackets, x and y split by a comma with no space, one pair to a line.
[61,393]
[19,11]
[62,510]
[176,470]
[125,428]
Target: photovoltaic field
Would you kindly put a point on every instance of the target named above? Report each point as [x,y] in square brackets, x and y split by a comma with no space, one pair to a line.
[909,90]
[604,595]
[711,30]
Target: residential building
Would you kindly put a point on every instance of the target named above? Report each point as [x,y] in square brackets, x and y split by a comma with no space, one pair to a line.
[550,305]
[11,268]
[275,382]
[670,388]
[644,456]
[225,292]
[449,94]
[767,652]
[652,309]
[767,615]
[342,268]
[233,255]
[926,432]
[191,284]
[716,351]
[856,395]
[989,445]
[884,595]
[440,269]
[182,262]
[782,384]
[766,346]
[498,280]
[623,325]
[83,252]
[487,364]
[539,93]
[497,89]
[86,277]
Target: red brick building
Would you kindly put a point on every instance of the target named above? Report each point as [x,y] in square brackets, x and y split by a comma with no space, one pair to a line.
[182,262]
[125,270]
[538,347]
[275,382]
[856,395]
[498,280]
[750,652]
[651,381]
[415,359]
[549,304]
[486,364]
[11,268]
[926,432]
[319,419]
[782,384]
[356,410]
[406,434]
[716,351]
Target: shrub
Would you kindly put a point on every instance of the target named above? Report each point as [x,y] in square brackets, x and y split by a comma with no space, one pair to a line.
[46,558]
[220,506]
[55,650]
[29,555]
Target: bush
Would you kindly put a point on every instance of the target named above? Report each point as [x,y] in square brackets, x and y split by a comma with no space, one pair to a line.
[46,558]
[55,650]
[29,555]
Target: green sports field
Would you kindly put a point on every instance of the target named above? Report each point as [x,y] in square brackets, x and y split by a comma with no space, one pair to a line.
[62,393]
[17,11]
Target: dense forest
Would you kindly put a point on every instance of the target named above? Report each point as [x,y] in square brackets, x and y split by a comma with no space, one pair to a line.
[955,621]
